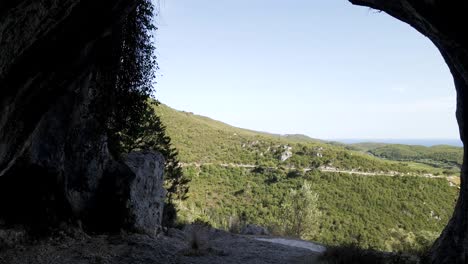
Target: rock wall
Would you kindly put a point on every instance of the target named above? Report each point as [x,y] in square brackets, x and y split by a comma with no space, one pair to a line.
[57,57]
[445,24]
[147,193]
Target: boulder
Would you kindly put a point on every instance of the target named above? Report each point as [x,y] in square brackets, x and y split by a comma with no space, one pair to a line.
[146,196]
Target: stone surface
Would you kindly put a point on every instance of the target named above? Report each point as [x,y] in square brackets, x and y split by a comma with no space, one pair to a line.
[56,59]
[287,153]
[147,193]
[219,247]
[11,237]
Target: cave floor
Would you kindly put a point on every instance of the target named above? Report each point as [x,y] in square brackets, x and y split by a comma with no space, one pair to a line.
[208,246]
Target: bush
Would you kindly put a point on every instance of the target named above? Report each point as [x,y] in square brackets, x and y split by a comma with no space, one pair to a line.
[235,224]
[294,174]
[202,221]
[300,212]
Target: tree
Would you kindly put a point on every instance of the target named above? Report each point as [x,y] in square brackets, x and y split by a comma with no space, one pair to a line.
[134,84]
[444,23]
[300,212]
[133,123]
[154,137]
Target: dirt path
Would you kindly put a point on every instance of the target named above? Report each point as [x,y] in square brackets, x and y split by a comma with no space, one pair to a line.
[322,169]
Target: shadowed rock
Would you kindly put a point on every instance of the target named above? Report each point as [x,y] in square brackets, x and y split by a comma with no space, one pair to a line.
[445,24]
[57,59]
[147,193]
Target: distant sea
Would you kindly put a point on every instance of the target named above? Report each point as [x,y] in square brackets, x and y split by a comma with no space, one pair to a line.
[422,142]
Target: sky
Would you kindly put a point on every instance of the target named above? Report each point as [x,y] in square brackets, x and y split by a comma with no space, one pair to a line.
[326,69]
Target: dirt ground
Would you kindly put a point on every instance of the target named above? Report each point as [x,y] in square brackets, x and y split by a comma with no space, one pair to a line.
[194,244]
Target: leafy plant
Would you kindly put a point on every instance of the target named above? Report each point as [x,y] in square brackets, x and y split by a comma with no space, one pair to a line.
[132,123]
[300,213]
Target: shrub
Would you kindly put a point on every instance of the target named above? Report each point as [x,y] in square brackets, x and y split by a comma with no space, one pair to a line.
[300,212]
[202,221]
[294,174]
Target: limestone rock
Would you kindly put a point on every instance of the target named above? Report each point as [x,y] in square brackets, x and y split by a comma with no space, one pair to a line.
[287,153]
[56,59]
[147,193]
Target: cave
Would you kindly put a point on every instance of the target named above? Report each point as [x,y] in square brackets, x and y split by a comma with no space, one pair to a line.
[56,166]
[51,157]
[56,55]
[444,23]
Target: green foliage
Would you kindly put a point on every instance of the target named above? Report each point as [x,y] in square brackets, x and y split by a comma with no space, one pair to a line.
[401,240]
[153,137]
[132,123]
[354,209]
[134,82]
[236,174]
[442,156]
[299,212]
[203,140]
[294,174]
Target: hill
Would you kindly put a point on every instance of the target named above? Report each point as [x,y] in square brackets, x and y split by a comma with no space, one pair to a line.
[203,140]
[300,138]
[442,156]
[242,176]
[448,158]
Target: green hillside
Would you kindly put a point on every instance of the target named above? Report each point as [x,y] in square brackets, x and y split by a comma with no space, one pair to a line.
[238,176]
[367,146]
[202,140]
[388,213]
[448,158]
[301,138]
[440,156]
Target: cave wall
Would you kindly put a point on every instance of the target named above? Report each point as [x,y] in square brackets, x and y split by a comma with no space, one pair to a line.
[445,23]
[52,60]
[57,57]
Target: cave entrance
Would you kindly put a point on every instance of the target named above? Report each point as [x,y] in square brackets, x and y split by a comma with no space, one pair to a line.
[386,59]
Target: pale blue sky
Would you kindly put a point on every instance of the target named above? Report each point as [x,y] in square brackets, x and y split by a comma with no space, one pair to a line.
[326,69]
